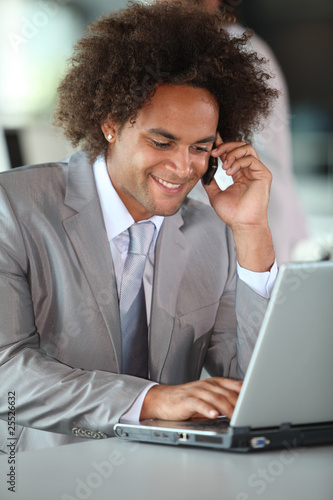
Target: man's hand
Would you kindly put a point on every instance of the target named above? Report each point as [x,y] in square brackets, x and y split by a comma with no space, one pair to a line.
[243,206]
[208,398]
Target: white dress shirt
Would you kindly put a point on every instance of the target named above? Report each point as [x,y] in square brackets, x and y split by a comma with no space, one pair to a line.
[117,220]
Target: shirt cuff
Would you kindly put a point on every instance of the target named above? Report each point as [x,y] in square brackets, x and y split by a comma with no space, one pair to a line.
[261,283]
[132,416]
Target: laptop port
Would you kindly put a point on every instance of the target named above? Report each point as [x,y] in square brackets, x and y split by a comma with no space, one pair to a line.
[259,442]
[182,436]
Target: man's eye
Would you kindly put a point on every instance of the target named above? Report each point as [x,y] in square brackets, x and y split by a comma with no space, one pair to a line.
[199,149]
[161,145]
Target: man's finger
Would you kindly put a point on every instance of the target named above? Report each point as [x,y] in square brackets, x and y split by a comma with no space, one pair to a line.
[229,383]
[227,147]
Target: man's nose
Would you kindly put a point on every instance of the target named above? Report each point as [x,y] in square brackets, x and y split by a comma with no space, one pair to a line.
[181,163]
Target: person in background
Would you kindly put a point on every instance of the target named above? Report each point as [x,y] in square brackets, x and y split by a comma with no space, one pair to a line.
[272,142]
[116,288]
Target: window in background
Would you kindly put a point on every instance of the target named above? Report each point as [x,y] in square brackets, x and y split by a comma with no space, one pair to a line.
[301,36]
[36,38]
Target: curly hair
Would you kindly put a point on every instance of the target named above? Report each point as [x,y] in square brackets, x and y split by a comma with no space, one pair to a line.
[117,65]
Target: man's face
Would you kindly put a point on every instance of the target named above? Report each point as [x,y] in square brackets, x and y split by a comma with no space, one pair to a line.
[155,163]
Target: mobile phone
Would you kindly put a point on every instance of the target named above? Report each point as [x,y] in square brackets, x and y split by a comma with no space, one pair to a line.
[211,170]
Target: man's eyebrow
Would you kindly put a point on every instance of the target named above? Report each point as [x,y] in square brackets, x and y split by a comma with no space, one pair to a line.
[168,135]
[163,133]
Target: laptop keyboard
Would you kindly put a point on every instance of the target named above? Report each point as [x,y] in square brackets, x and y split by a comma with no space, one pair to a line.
[217,423]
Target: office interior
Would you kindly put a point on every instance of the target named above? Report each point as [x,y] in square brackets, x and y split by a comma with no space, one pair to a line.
[37,37]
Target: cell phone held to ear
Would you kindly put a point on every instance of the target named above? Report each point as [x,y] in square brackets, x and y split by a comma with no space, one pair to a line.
[211,170]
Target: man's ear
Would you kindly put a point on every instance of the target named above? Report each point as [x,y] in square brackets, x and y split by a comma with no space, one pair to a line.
[109,130]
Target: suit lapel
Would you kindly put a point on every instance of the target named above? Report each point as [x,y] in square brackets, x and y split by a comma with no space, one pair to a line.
[170,261]
[88,236]
[87,233]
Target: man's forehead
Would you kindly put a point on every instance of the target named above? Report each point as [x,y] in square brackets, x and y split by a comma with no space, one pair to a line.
[162,132]
[179,103]
[166,94]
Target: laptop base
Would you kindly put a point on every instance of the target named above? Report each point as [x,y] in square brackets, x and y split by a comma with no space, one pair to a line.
[242,439]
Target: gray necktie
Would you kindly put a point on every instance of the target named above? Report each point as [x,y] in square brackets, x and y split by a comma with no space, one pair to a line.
[133,318]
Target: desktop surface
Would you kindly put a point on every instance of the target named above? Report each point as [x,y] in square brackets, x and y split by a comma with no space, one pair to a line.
[111,469]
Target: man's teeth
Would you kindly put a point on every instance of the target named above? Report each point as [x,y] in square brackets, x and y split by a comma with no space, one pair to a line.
[168,184]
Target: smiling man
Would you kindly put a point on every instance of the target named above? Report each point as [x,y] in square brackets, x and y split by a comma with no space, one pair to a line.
[154,164]
[86,338]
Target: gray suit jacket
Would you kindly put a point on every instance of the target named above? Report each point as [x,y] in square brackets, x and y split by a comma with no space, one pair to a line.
[60,347]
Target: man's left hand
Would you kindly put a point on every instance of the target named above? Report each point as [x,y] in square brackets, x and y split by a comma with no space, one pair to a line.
[243,205]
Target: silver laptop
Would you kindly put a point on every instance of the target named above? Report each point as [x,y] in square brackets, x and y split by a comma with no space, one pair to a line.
[287,394]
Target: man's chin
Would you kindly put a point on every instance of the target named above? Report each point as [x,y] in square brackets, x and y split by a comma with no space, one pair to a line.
[166,208]
[167,211]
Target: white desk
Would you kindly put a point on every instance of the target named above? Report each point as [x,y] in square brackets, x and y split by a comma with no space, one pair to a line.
[114,470]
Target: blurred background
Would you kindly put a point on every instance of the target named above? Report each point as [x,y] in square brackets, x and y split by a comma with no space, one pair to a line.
[37,36]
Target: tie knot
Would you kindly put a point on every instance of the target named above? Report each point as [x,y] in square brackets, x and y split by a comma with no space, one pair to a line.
[141,236]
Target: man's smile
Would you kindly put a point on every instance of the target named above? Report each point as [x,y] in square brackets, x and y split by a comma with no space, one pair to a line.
[168,185]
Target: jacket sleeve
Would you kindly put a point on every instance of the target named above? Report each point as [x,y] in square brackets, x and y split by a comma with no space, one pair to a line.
[238,321]
[50,395]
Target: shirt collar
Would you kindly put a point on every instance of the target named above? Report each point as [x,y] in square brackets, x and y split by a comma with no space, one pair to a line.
[116,216]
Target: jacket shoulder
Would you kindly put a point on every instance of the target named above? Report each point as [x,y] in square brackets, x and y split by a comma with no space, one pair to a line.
[34,186]
[33,176]
[194,211]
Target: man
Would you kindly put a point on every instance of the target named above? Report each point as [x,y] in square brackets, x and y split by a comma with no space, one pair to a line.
[149,103]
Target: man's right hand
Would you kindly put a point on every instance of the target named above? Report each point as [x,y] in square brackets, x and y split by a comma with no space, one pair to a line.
[209,398]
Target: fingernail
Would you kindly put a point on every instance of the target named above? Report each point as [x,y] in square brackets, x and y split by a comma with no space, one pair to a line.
[225,163]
